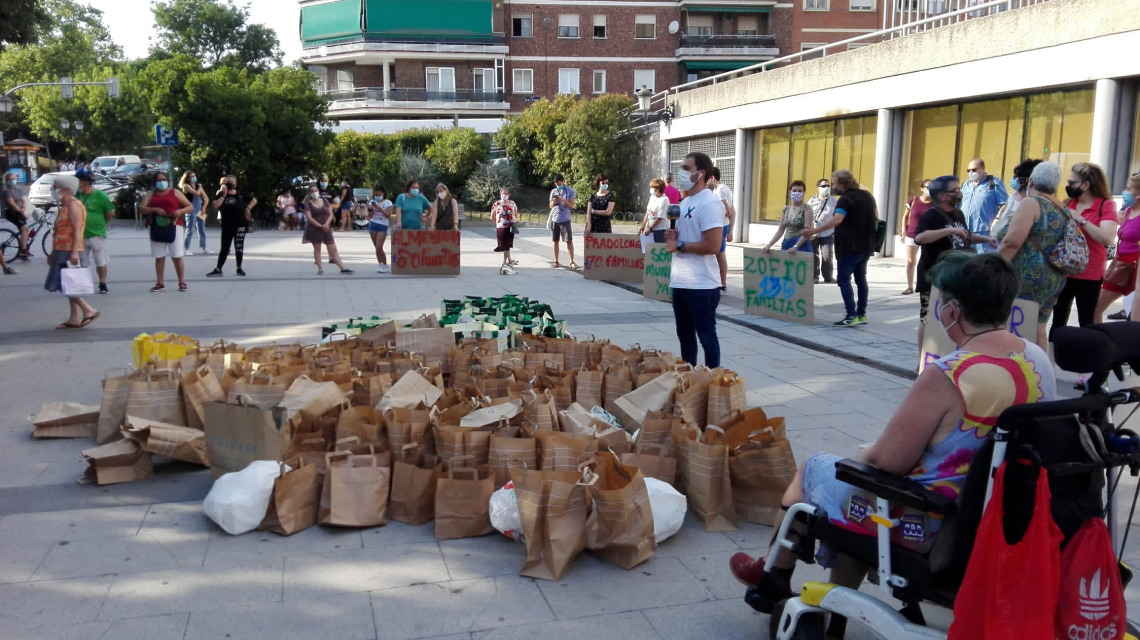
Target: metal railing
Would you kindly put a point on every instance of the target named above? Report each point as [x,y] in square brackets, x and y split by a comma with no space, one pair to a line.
[372,94]
[496,44]
[726,40]
[902,25]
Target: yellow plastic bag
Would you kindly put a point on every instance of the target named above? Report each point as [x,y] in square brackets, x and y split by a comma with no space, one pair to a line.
[161,346]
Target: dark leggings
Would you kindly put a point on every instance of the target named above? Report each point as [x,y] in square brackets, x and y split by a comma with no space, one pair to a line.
[1085,293]
[235,235]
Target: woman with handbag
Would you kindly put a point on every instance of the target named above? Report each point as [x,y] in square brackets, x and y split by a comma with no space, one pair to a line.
[1120,277]
[67,244]
[167,208]
[503,213]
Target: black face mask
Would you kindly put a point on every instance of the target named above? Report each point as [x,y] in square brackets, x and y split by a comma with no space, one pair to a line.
[1074,192]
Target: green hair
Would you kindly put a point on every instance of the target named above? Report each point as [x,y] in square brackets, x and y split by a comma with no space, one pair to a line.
[984,285]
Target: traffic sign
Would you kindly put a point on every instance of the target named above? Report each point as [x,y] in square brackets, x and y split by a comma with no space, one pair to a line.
[165,137]
[66,88]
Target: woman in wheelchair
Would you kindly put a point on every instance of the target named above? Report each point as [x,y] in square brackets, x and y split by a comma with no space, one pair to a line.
[939,426]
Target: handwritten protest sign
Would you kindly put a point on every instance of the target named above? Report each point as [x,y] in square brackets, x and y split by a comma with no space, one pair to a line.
[658,263]
[780,285]
[425,253]
[936,343]
[614,256]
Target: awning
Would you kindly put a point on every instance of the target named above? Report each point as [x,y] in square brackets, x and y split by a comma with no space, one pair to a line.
[732,9]
[719,65]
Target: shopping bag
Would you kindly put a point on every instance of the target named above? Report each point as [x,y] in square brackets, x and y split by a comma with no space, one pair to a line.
[65,420]
[576,419]
[368,388]
[615,356]
[620,526]
[564,451]
[157,396]
[510,447]
[408,426]
[693,396]
[113,405]
[261,388]
[364,423]
[726,395]
[311,399]
[411,389]
[1011,590]
[708,481]
[355,490]
[616,382]
[488,417]
[1091,592]
[761,470]
[161,346]
[575,355]
[588,392]
[649,457]
[296,497]
[115,462]
[553,507]
[237,434]
[199,386]
[540,410]
[180,443]
[657,395]
[464,444]
[433,343]
[76,282]
[413,486]
[308,449]
[221,356]
[561,390]
[462,498]
[657,429]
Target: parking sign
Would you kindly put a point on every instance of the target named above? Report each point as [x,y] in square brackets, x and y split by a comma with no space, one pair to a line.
[165,137]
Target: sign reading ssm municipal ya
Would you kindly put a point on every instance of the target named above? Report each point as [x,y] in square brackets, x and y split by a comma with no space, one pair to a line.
[780,285]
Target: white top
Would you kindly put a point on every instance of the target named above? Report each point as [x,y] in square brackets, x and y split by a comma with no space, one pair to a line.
[699,213]
[659,207]
[822,210]
[724,193]
[380,211]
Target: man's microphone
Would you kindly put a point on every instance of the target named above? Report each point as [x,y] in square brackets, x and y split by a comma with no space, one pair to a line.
[674,214]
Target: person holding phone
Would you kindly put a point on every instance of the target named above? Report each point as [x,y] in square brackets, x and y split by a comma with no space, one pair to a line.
[562,201]
[234,208]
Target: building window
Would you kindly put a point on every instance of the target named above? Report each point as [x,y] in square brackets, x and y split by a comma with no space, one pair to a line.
[700,25]
[568,81]
[817,5]
[600,27]
[568,25]
[524,80]
[440,79]
[322,77]
[746,26]
[345,80]
[522,25]
[645,27]
[862,5]
[644,78]
[484,80]
[807,46]
[599,80]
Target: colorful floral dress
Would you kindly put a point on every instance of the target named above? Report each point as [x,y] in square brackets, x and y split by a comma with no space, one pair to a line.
[1040,282]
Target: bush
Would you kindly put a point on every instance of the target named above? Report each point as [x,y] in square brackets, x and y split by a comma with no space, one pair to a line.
[414,166]
[365,159]
[595,139]
[458,152]
[485,183]
[415,140]
[528,138]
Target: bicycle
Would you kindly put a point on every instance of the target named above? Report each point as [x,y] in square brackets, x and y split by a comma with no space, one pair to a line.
[10,240]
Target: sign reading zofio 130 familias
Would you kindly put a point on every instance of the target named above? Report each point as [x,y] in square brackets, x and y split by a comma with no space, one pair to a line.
[781,285]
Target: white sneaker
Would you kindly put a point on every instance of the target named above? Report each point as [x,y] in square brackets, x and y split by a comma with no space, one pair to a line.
[189,253]
[514,263]
[383,269]
[507,271]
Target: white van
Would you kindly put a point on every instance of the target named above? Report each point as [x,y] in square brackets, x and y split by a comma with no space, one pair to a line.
[105,164]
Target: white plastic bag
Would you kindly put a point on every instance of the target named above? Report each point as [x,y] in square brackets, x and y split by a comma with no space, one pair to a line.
[76,282]
[504,509]
[668,506]
[238,501]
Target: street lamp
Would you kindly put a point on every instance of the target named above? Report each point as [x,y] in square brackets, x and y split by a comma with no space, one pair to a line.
[644,100]
[66,124]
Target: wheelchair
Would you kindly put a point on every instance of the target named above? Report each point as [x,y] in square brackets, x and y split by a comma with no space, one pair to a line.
[1074,440]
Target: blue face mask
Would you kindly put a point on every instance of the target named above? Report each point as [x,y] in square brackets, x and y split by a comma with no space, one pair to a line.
[414,192]
[161,185]
[1015,184]
[1128,198]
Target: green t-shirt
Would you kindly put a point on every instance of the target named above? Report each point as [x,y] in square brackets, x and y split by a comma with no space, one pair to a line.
[98,206]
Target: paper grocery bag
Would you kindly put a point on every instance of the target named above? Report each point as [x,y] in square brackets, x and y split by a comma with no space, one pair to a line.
[408,426]
[222,356]
[261,387]
[308,449]
[620,526]
[364,423]
[413,486]
[237,434]
[615,356]
[462,500]
[115,462]
[616,382]
[761,470]
[610,438]
[564,451]
[199,386]
[657,395]
[311,399]
[433,343]
[489,417]
[180,443]
[157,396]
[452,443]
[411,389]
[553,507]
[693,396]
[576,419]
[739,425]
[113,405]
[65,420]
[726,395]
[368,388]
[511,447]
[657,429]
[709,481]
[355,490]
[295,501]
[575,354]
[589,388]
[653,463]
[681,435]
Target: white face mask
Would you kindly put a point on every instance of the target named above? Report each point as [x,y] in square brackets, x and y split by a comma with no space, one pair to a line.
[824,191]
[653,193]
[504,197]
[974,175]
[797,196]
[945,308]
[441,194]
[685,179]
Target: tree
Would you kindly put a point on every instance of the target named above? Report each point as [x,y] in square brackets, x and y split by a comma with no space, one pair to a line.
[595,139]
[21,22]
[457,152]
[365,159]
[75,39]
[528,138]
[488,180]
[216,33]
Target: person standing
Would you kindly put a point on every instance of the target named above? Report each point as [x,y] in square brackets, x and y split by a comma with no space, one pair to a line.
[319,231]
[823,247]
[378,222]
[1127,257]
[724,194]
[601,206]
[656,212]
[14,211]
[167,207]
[671,192]
[67,245]
[982,196]
[562,201]
[347,201]
[196,219]
[234,209]
[411,207]
[908,226]
[854,223]
[445,210]
[1092,207]
[504,214]
[694,276]
[99,211]
[793,220]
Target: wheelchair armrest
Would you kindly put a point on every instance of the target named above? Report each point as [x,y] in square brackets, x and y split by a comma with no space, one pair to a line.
[896,489]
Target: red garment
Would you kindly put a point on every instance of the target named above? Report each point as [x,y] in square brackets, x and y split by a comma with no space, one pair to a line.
[1010,592]
[673,195]
[1092,600]
[169,203]
[917,208]
[1098,253]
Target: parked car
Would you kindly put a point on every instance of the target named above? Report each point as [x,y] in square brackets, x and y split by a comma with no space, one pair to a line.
[39,194]
[106,164]
[132,169]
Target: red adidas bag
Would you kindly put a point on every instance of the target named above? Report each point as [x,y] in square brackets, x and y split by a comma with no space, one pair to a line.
[1010,591]
[1092,594]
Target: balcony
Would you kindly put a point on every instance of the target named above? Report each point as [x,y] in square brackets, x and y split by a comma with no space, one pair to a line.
[758,47]
[361,46]
[415,101]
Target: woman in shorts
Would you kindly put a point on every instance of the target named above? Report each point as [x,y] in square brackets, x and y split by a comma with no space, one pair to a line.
[912,213]
[379,208]
[168,207]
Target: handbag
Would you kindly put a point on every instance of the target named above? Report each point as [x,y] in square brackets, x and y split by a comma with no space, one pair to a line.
[1120,274]
[76,282]
[163,232]
[514,228]
[1070,255]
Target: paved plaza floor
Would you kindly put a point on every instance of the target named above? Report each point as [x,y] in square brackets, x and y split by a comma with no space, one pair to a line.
[139,560]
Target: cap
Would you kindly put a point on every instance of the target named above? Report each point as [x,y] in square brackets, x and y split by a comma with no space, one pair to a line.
[84,175]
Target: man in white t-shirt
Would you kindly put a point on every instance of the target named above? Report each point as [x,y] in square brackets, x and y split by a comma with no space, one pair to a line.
[724,194]
[695,276]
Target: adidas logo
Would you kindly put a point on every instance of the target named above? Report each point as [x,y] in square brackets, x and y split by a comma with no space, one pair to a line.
[1094,598]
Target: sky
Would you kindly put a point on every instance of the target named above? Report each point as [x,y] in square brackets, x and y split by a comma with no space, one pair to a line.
[132,24]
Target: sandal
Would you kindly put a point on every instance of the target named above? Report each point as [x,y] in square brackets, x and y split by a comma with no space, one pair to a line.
[908,291]
[182,287]
[157,288]
[89,319]
[68,325]
[573,266]
[347,272]
[554,265]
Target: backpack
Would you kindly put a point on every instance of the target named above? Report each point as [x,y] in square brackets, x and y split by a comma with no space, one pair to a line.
[1070,255]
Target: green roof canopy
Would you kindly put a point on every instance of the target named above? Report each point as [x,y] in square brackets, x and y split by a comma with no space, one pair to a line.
[330,21]
[444,19]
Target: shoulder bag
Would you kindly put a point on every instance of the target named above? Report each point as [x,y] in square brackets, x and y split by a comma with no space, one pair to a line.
[1070,255]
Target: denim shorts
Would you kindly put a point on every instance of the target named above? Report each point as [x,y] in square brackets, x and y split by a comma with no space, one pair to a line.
[376,227]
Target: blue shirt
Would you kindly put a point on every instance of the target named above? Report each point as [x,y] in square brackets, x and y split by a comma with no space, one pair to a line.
[981,202]
[411,208]
[563,209]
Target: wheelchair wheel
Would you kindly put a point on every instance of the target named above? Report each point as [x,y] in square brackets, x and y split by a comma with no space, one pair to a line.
[809,627]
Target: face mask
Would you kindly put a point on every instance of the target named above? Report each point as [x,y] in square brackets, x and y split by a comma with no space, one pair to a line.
[685,179]
[925,192]
[824,191]
[441,194]
[974,176]
[605,187]
[314,195]
[504,197]
[324,184]
[1015,184]
[956,199]
[162,185]
[1074,192]
[797,196]
[1129,199]
[414,192]
[653,193]
[945,310]
[11,183]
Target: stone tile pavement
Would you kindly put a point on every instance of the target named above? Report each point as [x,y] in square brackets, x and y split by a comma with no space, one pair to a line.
[140,559]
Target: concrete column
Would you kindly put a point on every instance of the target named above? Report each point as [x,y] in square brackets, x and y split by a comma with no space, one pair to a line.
[741,187]
[881,189]
[664,151]
[387,76]
[1104,123]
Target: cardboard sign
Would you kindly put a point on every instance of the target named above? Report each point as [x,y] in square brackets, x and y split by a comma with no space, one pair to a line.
[780,285]
[425,253]
[936,343]
[614,256]
[658,266]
